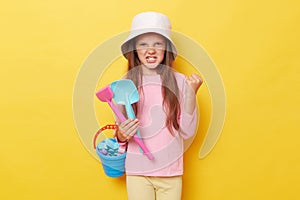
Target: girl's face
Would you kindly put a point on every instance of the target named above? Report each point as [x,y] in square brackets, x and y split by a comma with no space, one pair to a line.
[150,49]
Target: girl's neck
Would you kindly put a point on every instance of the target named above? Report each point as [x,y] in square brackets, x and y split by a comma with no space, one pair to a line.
[148,72]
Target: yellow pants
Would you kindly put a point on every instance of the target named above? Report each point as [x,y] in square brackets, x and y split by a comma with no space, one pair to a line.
[154,188]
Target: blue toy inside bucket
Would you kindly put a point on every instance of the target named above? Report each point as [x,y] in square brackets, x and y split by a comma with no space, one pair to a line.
[114,166]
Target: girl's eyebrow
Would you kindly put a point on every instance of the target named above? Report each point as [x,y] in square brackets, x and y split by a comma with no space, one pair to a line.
[158,41]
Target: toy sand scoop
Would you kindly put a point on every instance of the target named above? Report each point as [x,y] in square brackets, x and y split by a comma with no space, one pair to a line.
[126,93]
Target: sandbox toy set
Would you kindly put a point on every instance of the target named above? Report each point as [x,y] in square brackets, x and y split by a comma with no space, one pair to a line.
[113,157]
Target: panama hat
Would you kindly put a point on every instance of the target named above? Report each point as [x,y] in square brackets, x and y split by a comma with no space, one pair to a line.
[148,22]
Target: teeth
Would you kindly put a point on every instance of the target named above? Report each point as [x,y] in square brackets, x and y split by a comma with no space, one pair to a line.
[150,58]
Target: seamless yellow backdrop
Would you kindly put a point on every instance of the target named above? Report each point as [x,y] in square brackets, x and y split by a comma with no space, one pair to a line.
[255,45]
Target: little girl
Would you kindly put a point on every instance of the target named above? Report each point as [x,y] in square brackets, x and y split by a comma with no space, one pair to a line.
[166,112]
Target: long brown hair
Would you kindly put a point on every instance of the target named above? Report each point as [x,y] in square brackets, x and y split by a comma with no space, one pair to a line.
[170,91]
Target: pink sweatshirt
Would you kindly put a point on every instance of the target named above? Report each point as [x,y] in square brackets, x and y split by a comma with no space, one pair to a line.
[167,149]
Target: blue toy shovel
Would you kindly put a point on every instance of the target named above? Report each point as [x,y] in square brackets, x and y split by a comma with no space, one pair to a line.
[126,93]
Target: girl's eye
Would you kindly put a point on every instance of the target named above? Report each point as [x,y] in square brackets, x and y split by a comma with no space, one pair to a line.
[159,45]
[142,46]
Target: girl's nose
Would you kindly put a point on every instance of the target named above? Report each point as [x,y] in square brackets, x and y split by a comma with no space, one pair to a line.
[151,50]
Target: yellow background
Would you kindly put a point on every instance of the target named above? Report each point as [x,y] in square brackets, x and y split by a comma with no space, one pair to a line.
[255,45]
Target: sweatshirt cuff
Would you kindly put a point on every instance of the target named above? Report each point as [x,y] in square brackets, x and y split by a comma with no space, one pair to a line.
[123,146]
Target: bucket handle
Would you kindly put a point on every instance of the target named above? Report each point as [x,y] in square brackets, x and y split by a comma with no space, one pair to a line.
[108,126]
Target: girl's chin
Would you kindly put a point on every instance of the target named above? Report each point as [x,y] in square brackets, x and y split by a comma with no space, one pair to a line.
[151,66]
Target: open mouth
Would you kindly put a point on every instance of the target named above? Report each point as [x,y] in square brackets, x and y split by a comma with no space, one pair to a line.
[151,59]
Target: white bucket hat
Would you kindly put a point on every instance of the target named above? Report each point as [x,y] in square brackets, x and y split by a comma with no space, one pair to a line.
[149,22]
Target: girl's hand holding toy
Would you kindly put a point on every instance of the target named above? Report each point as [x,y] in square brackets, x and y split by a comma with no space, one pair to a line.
[127,129]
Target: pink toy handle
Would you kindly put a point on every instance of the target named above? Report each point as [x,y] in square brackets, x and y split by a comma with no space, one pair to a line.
[117,112]
[143,147]
[121,117]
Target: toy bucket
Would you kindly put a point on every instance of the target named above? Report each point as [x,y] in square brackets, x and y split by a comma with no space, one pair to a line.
[114,166]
